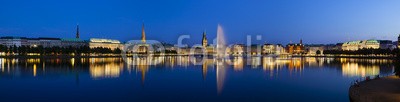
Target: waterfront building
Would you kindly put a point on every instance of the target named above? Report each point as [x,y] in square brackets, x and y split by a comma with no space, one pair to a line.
[316,49]
[105,43]
[254,49]
[386,44]
[33,42]
[295,48]
[237,50]
[169,47]
[143,47]
[41,41]
[337,46]
[13,41]
[204,46]
[273,49]
[74,42]
[50,42]
[398,41]
[183,50]
[204,40]
[367,44]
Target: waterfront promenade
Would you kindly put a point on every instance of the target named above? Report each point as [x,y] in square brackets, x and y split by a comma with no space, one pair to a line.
[386,89]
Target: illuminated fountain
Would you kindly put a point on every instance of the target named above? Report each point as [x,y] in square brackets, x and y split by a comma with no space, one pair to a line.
[220,55]
[220,49]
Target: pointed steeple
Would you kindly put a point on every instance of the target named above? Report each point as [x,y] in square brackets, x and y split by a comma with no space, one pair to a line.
[143,34]
[301,41]
[204,40]
[77,31]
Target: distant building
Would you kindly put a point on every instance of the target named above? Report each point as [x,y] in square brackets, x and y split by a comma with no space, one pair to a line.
[337,46]
[237,50]
[169,47]
[143,47]
[204,44]
[105,43]
[44,42]
[395,44]
[77,32]
[273,49]
[13,41]
[398,41]
[204,40]
[50,42]
[33,42]
[73,42]
[184,50]
[386,44]
[295,48]
[255,49]
[367,44]
[316,49]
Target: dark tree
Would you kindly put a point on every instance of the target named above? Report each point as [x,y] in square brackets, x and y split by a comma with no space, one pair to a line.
[318,52]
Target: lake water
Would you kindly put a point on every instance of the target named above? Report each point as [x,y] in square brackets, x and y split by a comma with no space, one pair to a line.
[179,78]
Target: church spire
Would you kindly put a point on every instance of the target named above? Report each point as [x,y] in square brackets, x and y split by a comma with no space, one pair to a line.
[204,41]
[301,41]
[77,31]
[143,34]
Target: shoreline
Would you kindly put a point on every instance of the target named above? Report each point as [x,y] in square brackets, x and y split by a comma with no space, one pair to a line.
[119,55]
[385,89]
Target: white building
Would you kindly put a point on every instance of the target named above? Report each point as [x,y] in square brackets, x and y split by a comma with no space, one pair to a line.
[50,42]
[273,49]
[367,44]
[13,41]
[237,50]
[105,43]
[313,50]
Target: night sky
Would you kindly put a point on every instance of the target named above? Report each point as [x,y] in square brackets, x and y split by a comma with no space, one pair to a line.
[278,21]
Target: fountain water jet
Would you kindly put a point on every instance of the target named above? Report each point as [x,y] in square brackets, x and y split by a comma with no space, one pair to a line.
[220,50]
[220,55]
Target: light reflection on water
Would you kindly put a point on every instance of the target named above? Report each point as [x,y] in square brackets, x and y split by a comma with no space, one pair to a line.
[223,72]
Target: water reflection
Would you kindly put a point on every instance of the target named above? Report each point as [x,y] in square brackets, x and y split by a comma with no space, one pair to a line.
[104,68]
[221,73]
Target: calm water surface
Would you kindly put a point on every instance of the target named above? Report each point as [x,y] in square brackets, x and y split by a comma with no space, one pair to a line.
[176,78]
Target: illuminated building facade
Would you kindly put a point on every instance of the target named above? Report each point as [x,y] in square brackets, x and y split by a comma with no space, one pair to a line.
[273,49]
[367,44]
[295,48]
[254,49]
[317,49]
[50,42]
[13,41]
[237,50]
[204,41]
[45,42]
[143,47]
[33,42]
[105,43]
[199,50]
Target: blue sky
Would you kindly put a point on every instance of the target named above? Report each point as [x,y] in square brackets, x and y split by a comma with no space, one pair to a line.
[278,21]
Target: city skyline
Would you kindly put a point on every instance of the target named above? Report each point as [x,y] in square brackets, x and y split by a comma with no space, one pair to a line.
[308,20]
[199,50]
